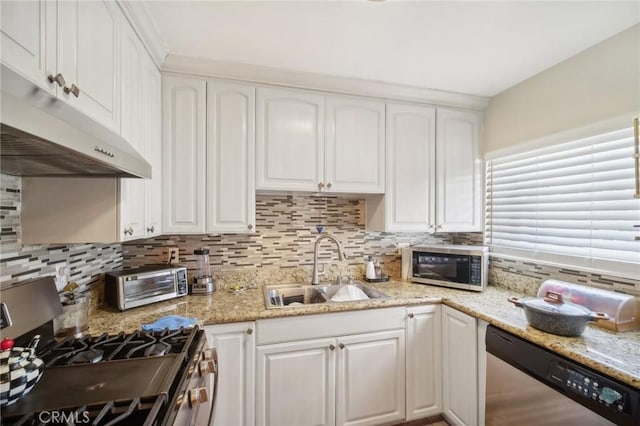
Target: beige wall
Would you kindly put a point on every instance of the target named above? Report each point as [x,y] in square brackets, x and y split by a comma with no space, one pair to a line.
[597,84]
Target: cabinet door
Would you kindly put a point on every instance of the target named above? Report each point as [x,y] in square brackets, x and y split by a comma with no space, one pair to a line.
[459,367]
[410,197]
[231,194]
[88,57]
[183,155]
[28,40]
[371,378]
[152,141]
[131,86]
[355,148]
[235,344]
[295,383]
[459,171]
[289,140]
[424,363]
[132,203]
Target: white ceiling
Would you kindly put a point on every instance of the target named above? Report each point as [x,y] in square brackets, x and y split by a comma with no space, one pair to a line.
[479,48]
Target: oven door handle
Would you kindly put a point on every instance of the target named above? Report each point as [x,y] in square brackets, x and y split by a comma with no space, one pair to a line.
[209,365]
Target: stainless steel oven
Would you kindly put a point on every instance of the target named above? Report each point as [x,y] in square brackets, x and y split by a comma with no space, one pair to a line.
[151,378]
[457,266]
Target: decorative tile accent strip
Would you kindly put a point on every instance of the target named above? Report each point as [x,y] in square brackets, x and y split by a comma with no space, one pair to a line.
[86,262]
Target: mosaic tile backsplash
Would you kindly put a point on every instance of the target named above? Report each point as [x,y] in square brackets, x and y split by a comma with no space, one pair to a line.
[281,249]
[283,243]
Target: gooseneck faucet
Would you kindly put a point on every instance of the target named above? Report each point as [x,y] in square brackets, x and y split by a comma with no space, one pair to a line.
[341,255]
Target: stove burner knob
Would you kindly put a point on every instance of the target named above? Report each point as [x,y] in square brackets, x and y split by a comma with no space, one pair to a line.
[209,354]
[207,367]
[180,399]
[198,396]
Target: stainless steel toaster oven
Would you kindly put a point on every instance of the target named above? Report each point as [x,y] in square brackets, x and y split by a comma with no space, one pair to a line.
[130,288]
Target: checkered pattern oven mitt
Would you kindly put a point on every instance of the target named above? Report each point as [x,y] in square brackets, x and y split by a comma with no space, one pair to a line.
[20,370]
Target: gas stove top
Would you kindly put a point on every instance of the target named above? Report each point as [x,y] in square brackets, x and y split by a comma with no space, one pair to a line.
[133,379]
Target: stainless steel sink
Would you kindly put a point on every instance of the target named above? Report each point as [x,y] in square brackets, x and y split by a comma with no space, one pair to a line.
[296,295]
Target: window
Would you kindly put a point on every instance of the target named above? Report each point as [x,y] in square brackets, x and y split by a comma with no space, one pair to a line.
[570,204]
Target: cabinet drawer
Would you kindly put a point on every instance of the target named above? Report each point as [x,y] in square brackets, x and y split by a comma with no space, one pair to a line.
[289,329]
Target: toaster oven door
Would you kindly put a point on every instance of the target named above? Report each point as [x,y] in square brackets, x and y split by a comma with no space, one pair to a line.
[148,288]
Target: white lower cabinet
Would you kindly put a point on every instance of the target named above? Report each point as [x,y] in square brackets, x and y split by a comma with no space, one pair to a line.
[424,362]
[459,367]
[350,370]
[371,378]
[235,344]
[295,383]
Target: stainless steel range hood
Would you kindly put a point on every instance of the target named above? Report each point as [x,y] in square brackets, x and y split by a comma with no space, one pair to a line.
[36,143]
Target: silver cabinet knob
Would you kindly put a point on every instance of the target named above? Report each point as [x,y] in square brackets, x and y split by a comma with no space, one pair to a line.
[249,331]
[411,315]
[75,90]
[250,226]
[329,185]
[320,185]
[128,231]
[151,229]
[332,347]
[341,345]
[57,79]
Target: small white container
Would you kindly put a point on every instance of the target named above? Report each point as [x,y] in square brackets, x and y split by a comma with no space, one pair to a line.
[370,270]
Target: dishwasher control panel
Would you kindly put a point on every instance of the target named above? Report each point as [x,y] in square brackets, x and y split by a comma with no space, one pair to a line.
[589,386]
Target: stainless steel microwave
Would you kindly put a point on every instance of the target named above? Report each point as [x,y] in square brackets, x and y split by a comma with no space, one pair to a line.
[130,288]
[455,266]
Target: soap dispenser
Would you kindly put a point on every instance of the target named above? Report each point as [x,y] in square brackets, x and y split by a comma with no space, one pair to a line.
[370,271]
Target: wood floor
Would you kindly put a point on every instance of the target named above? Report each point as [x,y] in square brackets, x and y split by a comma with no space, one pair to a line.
[431,421]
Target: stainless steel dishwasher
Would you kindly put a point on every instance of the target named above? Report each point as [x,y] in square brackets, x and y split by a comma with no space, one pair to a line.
[529,385]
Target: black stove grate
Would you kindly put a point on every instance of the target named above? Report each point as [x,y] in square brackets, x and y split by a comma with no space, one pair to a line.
[139,344]
[132,412]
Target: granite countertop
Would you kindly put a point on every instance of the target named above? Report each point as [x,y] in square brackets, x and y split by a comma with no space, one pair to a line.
[614,354]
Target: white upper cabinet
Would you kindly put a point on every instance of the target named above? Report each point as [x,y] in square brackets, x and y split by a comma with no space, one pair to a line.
[132,191]
[355,144]
[152,142]
[230,157]
[310,142]
[88,58]
[183,154]
[28,40]
[459,171]
[289,140]
[434,172]
[408,204]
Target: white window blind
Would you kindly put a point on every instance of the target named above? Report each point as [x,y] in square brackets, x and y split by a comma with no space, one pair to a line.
[571,203]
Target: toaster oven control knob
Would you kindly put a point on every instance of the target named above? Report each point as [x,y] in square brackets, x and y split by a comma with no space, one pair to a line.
[198,396]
